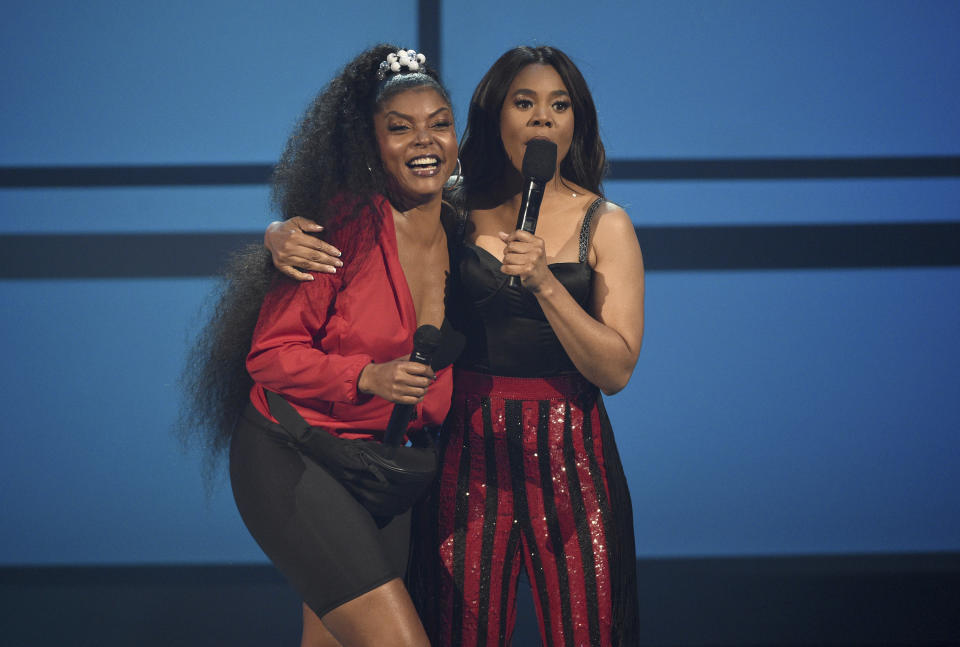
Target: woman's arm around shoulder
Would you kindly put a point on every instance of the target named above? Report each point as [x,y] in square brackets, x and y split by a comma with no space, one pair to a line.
[296,248]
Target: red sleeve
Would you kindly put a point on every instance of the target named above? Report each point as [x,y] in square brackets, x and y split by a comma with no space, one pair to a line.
[283,357]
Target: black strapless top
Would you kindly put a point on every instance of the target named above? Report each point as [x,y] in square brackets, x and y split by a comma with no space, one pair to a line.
[506,330]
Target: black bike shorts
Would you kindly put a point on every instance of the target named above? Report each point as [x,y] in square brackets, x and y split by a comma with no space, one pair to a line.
[325,543]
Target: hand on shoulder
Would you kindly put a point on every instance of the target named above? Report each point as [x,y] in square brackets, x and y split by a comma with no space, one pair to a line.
[296,249]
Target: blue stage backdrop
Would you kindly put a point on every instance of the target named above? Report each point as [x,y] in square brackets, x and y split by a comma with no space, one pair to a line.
[774,410]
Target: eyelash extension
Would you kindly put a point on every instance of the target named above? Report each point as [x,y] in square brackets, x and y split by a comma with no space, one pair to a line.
[556,105]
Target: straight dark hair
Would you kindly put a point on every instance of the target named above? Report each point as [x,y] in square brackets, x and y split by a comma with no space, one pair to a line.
[482,154]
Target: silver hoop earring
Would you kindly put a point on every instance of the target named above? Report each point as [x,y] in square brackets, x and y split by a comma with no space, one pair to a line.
[455,179]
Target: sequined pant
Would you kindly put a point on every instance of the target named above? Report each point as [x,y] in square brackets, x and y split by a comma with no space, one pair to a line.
[523,485]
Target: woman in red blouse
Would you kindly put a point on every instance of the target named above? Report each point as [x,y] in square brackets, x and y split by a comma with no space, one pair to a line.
[369,161]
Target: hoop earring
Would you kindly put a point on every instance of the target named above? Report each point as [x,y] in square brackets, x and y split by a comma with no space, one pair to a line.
[456,178]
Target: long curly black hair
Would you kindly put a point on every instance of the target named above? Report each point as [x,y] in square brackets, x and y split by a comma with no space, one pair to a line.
[481,149]
[331,154]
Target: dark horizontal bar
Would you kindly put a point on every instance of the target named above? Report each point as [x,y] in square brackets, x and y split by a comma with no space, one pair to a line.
[784,168]
[104,256]
[753,247]
[771,247]
[36,177]
[32,177]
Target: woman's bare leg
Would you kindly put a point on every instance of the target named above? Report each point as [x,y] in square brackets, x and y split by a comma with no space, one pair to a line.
[315,634]
[383,616]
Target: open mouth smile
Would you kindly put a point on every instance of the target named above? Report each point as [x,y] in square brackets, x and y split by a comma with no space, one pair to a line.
[424,165]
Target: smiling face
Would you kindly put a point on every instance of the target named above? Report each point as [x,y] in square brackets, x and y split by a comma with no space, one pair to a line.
[418,143]
[537,105]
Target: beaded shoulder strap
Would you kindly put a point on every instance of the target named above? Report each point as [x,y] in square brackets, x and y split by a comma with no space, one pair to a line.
[585,229]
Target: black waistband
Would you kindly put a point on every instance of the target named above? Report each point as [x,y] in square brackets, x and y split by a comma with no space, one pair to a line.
[298,426]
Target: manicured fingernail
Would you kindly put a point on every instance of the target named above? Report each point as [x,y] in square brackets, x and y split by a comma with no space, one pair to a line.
[339,263]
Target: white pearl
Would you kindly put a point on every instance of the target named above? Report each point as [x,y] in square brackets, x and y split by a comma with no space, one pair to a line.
[414,66]
[395,67]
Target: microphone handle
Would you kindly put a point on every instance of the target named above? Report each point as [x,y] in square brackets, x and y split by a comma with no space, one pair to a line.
[397,426]
[529,213]
[402,413]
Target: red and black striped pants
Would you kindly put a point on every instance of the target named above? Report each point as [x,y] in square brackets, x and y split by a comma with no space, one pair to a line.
[523,485]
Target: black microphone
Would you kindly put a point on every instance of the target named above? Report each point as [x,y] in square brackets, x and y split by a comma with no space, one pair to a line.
[426,340]
[539,165]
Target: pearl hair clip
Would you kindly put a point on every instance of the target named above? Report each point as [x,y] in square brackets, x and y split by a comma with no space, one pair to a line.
[402,58]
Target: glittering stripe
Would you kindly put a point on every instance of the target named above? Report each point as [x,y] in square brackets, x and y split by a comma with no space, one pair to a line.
[581,522]
[433,566]
[590,444]
[508,587]
[489,523]
[595,447]
[451,448]
[507,531]
[551,521]
[460,535]
[513,412]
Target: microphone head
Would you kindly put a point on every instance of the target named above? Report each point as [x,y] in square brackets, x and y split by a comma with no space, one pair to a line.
[426,339]
[540,160]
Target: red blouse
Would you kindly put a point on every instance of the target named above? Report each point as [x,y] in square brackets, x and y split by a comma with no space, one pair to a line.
[313,338]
